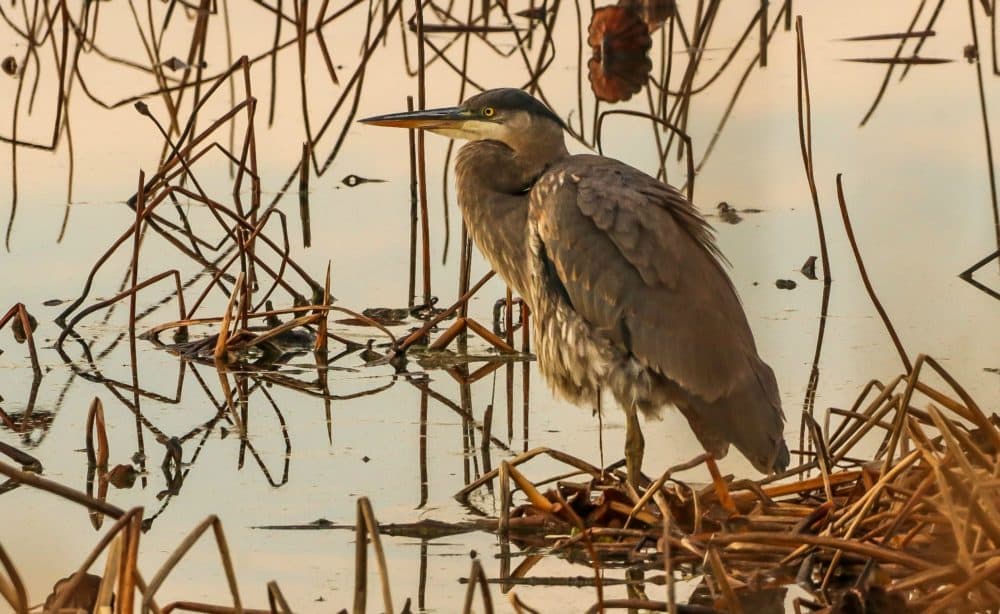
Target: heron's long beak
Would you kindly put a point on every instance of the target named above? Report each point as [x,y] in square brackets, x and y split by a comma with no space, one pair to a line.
[447,117]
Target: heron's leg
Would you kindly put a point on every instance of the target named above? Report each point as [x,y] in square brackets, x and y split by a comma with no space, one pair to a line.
[634,444]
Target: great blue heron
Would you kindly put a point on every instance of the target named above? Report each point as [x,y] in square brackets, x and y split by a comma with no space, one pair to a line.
[621,272]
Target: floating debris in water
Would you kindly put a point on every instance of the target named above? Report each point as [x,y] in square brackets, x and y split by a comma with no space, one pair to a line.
[387,315]
[354,180]
[369,354]
[122,476]
[728,213]
[9,65]
[17,326]
[809,268]
[383,316]
[176,63]
[53,302]
[905,61]
[537,13]
[785,284]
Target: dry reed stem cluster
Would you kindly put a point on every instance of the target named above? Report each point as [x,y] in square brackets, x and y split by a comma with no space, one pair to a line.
[916,524]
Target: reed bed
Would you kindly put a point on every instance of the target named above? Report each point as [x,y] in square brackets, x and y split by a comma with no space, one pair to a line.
[914,523]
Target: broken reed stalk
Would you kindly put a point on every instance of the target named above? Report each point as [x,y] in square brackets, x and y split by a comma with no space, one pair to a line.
[27,461]
[95,419]
[461,325]
[12,587]
[822,453]
[68,328]
[215,524]
[658,484]
[477,577]
[318,29]
[419,334]
[864,277]
[231,404]
[60,490]
[666,548]
[112,534]
[505,499]
[111,569]
[223,338]
[129,570]
[722,580]
[585,467]
[367,527]
[21,325]
[276,599]
[321,332]
[519,606]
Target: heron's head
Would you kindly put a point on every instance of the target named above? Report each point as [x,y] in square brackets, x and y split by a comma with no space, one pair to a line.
[508,115]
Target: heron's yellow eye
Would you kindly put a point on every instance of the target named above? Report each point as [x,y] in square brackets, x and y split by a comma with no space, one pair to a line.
[489,112]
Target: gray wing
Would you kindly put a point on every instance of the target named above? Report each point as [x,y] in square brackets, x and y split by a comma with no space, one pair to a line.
[639,264]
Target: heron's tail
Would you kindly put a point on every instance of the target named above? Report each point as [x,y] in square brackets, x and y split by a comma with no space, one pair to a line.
[750,418]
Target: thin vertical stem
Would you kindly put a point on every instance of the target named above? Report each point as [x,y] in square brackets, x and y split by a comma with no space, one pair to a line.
[864,276]
[986,127]
[422,154]
[414,204]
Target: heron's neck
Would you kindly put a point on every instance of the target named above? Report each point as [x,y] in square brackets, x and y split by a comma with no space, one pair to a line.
[494,181]
[514,165]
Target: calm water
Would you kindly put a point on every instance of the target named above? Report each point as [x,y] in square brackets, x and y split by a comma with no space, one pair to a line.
[916,182]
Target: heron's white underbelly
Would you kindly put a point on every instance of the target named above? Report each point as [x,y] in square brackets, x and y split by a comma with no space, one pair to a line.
[578,364]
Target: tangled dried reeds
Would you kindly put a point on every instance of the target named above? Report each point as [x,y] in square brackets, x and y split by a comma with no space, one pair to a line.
[915,525]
